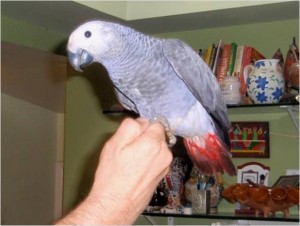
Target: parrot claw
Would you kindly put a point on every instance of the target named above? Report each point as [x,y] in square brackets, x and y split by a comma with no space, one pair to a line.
[171,139]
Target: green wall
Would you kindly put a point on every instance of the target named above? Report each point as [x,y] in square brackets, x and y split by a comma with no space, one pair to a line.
[23,33]
[266,37]
[87,128]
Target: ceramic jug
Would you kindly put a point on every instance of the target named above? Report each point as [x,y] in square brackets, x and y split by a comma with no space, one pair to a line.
[265,81]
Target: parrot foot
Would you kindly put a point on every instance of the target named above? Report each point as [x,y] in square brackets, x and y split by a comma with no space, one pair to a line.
[171,139]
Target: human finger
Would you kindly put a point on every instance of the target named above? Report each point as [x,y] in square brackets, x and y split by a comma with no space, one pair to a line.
[127,132]
[155,130]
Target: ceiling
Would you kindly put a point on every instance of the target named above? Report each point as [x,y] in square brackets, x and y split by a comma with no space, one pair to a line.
[64,16]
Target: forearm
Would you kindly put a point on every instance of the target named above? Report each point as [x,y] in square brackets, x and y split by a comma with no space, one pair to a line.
[89,212]
[105,210]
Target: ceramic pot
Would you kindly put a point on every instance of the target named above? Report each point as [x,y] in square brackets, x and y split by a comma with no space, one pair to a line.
[278,195]
[293,195]
[260,195]
[294,75]
[228,193]
[265,81]
[240,193]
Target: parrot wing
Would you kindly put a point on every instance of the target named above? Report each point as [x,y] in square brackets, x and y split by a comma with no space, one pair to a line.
[198,78]
[125,101]
[188,66]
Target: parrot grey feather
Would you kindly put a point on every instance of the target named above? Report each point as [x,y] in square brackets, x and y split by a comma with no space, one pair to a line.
[198,77]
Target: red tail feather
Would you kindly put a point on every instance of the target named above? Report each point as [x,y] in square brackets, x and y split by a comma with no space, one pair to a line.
[209,154]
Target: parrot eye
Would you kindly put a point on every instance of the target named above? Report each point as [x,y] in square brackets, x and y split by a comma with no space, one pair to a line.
[87,34]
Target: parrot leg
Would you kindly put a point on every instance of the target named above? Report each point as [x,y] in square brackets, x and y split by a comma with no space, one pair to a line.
[171,139]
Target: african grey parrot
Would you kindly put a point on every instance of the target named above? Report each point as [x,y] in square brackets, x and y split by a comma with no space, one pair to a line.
[161,78]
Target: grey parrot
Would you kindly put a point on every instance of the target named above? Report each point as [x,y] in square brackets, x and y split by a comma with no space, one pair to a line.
[161,79]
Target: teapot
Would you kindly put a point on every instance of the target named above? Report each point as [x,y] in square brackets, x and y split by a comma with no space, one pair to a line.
[265,81]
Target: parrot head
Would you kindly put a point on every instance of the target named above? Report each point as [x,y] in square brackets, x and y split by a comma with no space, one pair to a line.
[94,41]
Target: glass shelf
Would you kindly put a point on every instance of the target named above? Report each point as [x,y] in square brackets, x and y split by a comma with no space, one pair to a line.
[262,105]
[241,106]
[229,216]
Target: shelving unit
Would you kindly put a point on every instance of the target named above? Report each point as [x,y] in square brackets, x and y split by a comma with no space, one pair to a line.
[223,216]
[237,109]
[240,110]
[294,113]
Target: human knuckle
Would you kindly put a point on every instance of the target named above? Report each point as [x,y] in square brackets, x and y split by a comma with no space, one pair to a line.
[131,124]
[151,141]
[158,127]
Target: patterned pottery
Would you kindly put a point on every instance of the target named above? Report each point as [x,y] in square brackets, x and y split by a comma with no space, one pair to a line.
[215,197]
[265,81]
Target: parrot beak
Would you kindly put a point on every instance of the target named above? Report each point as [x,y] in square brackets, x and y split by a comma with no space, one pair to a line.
[80,59]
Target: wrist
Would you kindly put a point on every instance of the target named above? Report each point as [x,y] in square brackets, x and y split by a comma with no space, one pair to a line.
[112,207]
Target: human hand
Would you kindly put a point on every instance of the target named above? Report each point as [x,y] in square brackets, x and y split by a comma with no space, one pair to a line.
[131,165]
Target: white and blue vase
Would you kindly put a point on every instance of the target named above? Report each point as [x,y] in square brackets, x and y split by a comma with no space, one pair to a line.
[265,81]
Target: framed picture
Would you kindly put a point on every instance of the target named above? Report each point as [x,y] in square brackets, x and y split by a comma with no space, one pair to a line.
[250,175]
[292,180]
[249,139]
[253,171]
